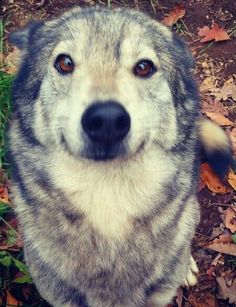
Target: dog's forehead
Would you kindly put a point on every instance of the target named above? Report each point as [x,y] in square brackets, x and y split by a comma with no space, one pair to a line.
[105,28]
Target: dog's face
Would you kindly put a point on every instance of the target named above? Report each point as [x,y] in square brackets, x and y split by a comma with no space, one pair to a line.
[103,83]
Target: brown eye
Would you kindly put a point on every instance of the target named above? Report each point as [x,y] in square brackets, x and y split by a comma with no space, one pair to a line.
[144,69]
[64,64]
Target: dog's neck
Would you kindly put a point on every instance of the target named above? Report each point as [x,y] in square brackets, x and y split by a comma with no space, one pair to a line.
[110,194]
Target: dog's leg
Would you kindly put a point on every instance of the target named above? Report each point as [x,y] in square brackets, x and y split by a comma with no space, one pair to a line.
[191,278]
[161,299]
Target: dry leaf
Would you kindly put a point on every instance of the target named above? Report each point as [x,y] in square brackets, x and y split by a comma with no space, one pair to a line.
[232,136]
[11,301]
[11,62]
[224,238]
[179,297]
[220,119]
[224,248]
[211,180]
[219,259]
[207,84]
[227,91]
[177,13]
[215,33]
[230,219]
[206,300]
[4,197]
[226,292]
[212,106]
[232,177]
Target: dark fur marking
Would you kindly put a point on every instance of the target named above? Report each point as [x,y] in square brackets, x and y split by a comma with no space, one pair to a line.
[220,160]
[16,176]
[62,288]
[27,133]
[72,217]
[165,279]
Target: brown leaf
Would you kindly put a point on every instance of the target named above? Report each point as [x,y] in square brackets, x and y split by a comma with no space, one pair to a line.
[11,62]
[220,119]
[212,106]
[227,91]
[206,300]
[224,238]
[230,219]
[207,84]
[226,292]
[211,180]
[11,301]
[232,136]
[231,175]
[4,197]
[177,13]
[215,33]
[224,248]
[179,297]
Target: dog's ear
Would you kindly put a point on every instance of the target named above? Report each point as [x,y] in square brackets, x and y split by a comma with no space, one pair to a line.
[21,38]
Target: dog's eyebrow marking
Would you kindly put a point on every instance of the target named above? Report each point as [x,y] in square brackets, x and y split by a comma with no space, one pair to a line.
[117,50]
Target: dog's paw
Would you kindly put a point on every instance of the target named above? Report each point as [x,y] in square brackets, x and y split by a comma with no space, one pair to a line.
[191,278]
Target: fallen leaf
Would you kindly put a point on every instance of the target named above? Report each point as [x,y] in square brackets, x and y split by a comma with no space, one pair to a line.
[11,62]
[224,238]
[230,219]
[224,248]
[177,13]
[231,175]
[211,180]
[4,196]
[205,300]
[227,91]
[215,33]
[179,297]
[207,84]
[11,301]
[232,136]
[220,119]
[226,292]
[219,259]
[212,106]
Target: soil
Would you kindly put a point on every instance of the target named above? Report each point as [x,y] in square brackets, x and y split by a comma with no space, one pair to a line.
[221,59]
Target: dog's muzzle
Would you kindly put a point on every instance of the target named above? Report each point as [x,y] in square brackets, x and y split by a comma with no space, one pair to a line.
[106,124]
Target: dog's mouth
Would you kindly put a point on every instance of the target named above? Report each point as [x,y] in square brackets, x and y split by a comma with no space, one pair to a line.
[104,152]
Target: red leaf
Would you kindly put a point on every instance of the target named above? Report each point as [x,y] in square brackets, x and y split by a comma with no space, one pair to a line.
[215,33]
[212,181]
[177,13]
[4,197]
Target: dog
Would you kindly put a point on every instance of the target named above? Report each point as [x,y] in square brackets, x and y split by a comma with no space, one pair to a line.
[104,145]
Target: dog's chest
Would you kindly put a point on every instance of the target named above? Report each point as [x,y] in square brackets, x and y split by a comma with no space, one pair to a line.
[111,199]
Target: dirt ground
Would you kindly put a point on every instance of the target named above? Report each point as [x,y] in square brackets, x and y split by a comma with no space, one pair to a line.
[217,59]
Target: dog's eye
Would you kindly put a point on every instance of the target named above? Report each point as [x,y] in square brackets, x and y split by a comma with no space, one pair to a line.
[64,64]
[144,69]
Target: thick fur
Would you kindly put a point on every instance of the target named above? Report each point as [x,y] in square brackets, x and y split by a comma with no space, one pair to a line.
[114,232]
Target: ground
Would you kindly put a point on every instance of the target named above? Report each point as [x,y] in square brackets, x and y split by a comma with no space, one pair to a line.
[214,243]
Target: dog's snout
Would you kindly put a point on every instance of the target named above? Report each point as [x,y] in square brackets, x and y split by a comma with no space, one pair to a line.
[106,122]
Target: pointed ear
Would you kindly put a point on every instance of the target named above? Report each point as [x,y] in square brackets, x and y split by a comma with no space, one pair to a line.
[21,38]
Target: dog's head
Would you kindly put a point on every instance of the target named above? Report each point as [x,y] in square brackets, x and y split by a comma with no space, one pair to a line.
[103,84]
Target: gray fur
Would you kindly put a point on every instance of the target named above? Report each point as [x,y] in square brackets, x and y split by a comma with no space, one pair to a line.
[116,232]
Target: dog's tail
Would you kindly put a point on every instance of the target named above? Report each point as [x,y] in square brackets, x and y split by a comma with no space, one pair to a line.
[216,147]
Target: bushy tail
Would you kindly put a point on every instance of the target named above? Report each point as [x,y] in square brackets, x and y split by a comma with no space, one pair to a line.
[216,147]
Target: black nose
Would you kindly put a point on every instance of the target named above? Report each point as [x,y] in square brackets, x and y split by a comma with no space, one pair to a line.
[106,122]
